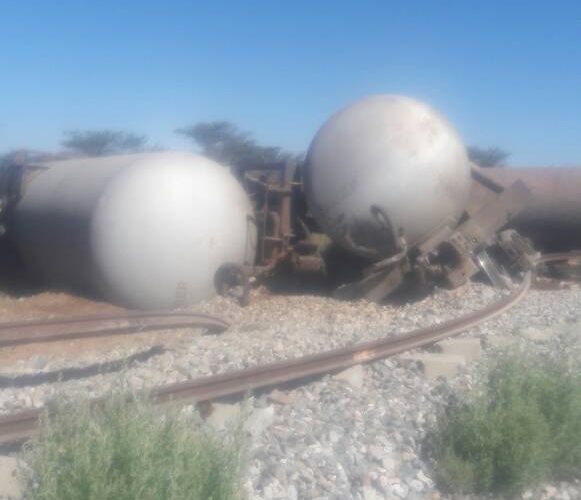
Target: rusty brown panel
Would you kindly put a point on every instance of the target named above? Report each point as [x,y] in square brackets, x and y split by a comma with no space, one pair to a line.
[552,219]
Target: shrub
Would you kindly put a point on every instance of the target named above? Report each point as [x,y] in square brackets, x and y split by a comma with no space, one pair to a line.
[130,451]
[524,427]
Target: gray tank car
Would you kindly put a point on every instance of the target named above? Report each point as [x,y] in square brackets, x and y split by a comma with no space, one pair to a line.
[386,157]
[147,231]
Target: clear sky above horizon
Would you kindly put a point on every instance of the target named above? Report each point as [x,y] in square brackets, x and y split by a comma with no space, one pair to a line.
[505,73]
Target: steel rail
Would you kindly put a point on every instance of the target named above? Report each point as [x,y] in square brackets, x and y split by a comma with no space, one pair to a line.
[17,332]
[22,425]
[550,257]
[107,317]
[272,374]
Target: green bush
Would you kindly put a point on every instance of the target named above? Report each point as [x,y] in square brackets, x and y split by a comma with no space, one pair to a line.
[524,427]
[130,451]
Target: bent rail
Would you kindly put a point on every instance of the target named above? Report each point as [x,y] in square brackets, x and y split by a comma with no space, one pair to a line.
[48,330]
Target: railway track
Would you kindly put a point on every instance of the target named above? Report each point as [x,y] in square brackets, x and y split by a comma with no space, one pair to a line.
[50,330]
[20,426]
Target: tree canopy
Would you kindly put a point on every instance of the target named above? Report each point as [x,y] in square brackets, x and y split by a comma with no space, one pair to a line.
[487,157]
[103,142]
[225,143]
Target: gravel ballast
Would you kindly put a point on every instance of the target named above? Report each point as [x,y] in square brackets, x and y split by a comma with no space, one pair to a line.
[354,435]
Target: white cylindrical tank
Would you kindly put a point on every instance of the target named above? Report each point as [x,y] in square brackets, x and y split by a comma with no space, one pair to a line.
[390,152]
[147,231]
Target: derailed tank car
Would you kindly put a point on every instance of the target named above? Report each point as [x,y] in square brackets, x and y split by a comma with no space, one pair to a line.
[386,160]
[147,231]
[388,179]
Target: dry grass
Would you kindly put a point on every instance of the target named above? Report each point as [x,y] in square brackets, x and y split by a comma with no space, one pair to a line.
[131,451]
[523,429]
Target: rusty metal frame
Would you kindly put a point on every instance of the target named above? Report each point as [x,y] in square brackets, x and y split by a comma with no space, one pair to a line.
[272,203]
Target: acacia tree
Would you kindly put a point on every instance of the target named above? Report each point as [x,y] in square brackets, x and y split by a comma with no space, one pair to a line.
[103,142]
[5,159]
[487,157]
[225,143]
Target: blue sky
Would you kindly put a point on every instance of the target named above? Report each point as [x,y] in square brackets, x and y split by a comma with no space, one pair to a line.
[505,73]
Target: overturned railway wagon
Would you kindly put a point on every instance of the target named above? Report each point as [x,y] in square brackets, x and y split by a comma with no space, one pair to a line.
[147,231]
[386,180]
